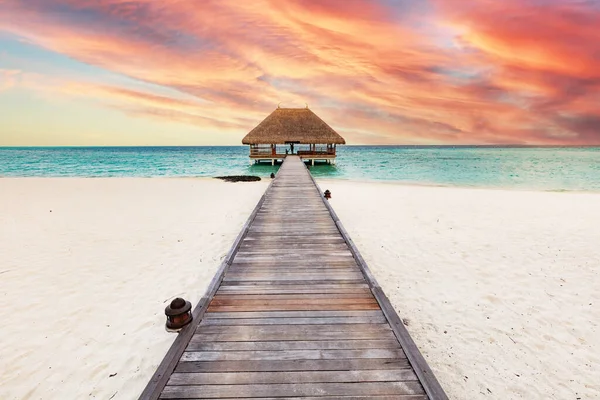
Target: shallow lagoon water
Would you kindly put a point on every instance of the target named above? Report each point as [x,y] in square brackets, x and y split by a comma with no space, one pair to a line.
[536,168]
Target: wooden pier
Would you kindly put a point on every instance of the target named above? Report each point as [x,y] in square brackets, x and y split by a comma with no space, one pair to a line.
[294,313]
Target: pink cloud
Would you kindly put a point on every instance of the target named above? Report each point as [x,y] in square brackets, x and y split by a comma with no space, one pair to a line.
[8,78]
[477,72]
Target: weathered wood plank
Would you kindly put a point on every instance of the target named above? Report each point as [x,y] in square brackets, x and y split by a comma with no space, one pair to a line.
[301,235]
[250,336]
[295,321]
[296,365]
[360,286]
[247,378]
[292,389]
[292,264]
[292,240]
[229,301]
[294,283]
[281,254]
[268,248]
[249,290]
[286,276]
[292,314]
[286,330]
[298,278]
[290,355]
[259,268]
[196,345]
[279,296]
[313,258]
[294,307]
[395,397]
[354,285]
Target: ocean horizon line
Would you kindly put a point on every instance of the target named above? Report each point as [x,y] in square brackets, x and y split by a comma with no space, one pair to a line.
[408,146]
[519,166]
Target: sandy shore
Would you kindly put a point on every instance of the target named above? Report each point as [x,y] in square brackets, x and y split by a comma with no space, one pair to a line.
[87,267]
[500,289]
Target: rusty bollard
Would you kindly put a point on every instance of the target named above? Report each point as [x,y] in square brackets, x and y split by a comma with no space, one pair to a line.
[178,314]
[327,194]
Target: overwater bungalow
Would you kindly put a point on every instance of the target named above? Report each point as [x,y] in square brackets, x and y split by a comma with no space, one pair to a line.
[296,131]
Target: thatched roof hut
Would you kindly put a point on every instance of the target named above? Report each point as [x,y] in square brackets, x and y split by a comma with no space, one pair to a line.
[274,138]
[293,125]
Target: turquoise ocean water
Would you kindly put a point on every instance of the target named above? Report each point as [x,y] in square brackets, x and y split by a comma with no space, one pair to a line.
[537,168]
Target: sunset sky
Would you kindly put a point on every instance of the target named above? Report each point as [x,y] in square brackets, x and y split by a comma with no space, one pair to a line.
[191,72]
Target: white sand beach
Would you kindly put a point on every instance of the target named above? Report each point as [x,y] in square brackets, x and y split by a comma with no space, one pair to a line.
[87,268]
[500,289]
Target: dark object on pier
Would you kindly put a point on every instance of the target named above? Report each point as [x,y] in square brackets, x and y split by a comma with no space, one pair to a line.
[327,194]
[272,175]
[178,314]
[239,178]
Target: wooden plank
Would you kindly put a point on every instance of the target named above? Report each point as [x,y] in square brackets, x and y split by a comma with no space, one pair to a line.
[258,290]
[286,330]
[260,268]
[325,287]
[298,278]
[290,355]
[292,240]
[196,345]
[395,397]
[282,247]
[290,266]
[294,307]
[229,301]
[301,235]
[286,276]
[299,264]
[295,365]
[297,296]
[280,253]
[292,389]
[354,285]
[308,259]
[292,314]
[295,283]
[295,321]
[250,336]
[246,378]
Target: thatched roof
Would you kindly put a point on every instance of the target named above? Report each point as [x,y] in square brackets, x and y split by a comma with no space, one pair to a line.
[299,125]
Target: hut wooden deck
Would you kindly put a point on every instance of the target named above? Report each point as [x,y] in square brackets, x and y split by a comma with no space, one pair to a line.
[294,313]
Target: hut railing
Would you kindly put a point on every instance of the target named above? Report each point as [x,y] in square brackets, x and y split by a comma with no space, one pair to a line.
[316,153]
[264,151]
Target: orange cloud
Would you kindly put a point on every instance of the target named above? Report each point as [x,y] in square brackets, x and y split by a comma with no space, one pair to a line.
[437,71]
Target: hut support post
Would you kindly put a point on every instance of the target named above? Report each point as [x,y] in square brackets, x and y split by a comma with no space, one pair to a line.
[313,162]
[272,161]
